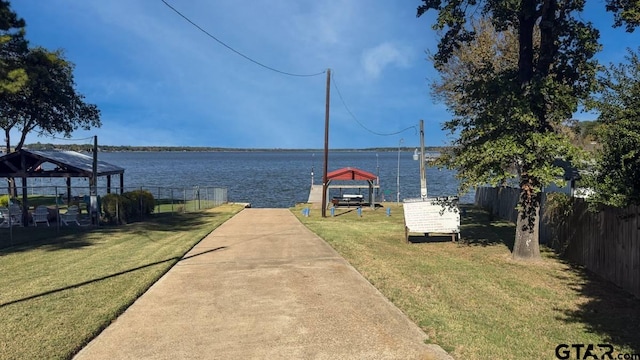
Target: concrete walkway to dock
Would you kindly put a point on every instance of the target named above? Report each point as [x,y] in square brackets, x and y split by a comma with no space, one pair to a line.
[262,286]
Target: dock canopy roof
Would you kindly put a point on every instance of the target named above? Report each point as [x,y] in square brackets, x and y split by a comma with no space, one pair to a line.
[350,173]
[28,164]
[353,174]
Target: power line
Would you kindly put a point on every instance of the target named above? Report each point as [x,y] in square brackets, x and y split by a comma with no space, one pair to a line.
[234,50]
[335,85]
[66,139]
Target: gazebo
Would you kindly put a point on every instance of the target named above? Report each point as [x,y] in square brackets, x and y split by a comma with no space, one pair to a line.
[26,164]
[354,174]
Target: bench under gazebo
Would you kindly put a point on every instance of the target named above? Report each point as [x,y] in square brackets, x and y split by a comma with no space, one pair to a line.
[25,164]
[352,175]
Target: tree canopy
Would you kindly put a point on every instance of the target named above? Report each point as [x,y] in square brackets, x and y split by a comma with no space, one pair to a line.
[38,88]
[12,44]
[616,177]
[511,100]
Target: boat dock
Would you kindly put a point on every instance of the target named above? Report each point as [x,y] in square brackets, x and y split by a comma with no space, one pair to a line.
[315,195]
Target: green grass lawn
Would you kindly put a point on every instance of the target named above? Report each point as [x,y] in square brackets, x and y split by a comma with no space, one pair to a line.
[471,298]
[61,288]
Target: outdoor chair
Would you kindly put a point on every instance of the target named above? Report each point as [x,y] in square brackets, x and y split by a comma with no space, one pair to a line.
[71,216]
[15,212]
[41,215]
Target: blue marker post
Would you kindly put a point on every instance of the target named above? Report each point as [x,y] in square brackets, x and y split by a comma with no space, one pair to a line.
[388,211]
[359,211]
[333,212]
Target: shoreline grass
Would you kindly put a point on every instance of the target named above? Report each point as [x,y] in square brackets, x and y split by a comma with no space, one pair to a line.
[471,298]
[61,289]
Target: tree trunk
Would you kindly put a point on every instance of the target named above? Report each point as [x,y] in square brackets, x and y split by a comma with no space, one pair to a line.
[527,241]
[527,245]
[7,141]
[527,20]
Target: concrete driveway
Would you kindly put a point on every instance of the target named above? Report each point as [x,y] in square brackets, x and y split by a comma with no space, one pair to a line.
[262,286]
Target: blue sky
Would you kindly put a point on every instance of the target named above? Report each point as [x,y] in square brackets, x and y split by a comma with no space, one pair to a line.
[160,81]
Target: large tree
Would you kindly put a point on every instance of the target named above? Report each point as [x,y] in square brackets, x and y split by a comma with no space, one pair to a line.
[616,179]
[508,121]
[37,88]
[48,103]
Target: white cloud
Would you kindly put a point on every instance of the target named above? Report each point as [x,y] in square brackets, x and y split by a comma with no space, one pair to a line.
[375,59]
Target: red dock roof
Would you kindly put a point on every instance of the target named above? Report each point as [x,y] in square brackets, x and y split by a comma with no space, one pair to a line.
[350,173]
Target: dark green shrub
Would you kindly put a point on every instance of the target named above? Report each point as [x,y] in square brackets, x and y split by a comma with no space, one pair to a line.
[111,209]
[142,201]
[128,207]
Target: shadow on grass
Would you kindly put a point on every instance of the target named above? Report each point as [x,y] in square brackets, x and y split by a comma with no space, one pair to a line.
[608,311]
[173,259]
[341,212]
[28,238]
[72,237]
[478,228]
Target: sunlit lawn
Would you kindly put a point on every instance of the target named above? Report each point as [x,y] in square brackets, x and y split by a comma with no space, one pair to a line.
[471,298]
[64,286]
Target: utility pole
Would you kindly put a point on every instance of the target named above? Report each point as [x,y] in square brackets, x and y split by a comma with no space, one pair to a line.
[326,145]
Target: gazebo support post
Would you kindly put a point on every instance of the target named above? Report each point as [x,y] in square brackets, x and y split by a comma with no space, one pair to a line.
[25,205]
[371,197]
[68,190]
[108,184]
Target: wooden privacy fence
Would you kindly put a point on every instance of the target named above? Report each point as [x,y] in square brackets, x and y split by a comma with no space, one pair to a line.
[499,201]
[606,242]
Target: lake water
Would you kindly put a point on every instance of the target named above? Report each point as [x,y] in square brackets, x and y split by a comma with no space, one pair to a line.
[275,179]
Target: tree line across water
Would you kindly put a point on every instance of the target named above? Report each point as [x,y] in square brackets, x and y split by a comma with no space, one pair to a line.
[123,148]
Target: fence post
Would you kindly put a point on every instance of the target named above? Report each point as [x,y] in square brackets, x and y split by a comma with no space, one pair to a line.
[198,197]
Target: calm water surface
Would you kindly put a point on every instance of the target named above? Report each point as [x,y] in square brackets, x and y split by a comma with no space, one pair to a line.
[275,178]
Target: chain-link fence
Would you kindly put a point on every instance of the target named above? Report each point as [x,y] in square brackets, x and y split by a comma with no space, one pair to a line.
[161,200]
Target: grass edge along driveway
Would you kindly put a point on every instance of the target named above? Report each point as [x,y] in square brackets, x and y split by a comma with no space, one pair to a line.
[59,291]
[471,298]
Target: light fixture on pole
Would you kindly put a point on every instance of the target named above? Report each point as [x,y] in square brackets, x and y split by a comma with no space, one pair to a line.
[398,178]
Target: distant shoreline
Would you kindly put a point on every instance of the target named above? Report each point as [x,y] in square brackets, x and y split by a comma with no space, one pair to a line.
[125,148]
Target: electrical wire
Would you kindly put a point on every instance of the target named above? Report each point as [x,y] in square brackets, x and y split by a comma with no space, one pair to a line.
[335,85]
[236,51]
[66,139]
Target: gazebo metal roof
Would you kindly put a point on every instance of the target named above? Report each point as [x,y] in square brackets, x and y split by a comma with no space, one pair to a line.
[27,164]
